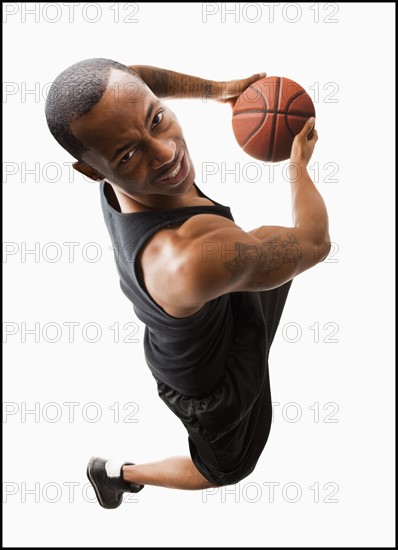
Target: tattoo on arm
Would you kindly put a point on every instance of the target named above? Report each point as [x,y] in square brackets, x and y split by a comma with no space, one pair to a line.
[262,257]
[177,85]
[156,79]
[170,84]
[161,83]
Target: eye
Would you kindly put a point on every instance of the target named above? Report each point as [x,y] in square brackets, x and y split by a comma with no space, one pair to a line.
[127,157]
[157,118]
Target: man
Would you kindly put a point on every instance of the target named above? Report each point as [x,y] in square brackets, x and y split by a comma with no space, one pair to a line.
[209,293]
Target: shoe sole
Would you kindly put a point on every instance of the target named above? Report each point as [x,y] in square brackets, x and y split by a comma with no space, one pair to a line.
[96,490]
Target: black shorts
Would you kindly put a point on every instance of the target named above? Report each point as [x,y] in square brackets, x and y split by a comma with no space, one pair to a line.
[228,429]
[223,456]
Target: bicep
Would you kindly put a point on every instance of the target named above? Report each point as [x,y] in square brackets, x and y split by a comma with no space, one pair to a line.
[212,256]
[228,259]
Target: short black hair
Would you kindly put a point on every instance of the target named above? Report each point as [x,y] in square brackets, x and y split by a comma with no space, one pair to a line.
[73,94]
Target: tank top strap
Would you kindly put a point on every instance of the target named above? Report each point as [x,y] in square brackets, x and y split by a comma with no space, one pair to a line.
[134,228]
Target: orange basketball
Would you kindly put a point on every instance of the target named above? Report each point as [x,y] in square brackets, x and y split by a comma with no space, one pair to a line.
[267,116]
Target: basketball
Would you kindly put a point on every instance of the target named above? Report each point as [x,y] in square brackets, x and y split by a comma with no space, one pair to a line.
[267,116]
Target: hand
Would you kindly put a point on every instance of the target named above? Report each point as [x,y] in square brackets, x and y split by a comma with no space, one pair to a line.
[304,143]
[229,91]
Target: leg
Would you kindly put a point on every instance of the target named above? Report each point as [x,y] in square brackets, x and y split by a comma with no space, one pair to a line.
[175,473]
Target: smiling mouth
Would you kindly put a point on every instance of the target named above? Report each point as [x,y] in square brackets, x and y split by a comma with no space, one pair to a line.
[178,173]
[174,172]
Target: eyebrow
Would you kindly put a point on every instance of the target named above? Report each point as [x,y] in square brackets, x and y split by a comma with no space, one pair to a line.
[130,143]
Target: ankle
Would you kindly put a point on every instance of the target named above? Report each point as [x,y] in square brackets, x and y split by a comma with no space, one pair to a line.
[127,473]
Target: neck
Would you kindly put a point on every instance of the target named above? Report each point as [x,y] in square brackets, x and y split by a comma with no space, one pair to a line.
[128,203]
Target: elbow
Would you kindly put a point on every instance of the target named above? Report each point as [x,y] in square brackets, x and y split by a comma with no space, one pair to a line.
[323,247]
[325,250]
[319,238]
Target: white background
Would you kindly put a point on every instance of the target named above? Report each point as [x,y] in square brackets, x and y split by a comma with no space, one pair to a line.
[344,53]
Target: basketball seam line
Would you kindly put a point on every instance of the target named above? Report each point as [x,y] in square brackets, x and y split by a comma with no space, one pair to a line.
[275,112]
[294,113]
[272,145]
[301,92]
[259,125]
[287,107]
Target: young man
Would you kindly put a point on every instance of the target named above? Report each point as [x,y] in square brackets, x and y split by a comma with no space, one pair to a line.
[210,294]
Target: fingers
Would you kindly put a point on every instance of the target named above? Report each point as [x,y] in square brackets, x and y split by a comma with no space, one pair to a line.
[309,125]
[308,129]
[255,77]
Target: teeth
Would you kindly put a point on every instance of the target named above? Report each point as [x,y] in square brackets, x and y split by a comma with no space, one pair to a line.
[173,174]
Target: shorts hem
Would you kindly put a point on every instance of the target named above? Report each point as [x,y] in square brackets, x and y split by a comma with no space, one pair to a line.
[223,479]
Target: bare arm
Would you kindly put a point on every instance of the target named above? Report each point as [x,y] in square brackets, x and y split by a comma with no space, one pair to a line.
[210,255]
[310,216]
[168,84]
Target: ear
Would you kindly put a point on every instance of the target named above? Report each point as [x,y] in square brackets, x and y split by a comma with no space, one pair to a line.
[87,170]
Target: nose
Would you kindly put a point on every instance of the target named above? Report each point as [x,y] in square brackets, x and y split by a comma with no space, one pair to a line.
[162,152]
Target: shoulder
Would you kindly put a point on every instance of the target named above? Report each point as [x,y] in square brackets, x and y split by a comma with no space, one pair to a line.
[169,245]
[173,262]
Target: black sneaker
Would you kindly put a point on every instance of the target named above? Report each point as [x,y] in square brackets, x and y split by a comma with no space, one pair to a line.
[106,478]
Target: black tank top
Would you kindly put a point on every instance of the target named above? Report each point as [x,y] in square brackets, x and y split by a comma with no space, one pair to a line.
[188,354]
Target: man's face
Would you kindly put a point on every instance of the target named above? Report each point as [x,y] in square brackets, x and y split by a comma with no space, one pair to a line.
[134,141]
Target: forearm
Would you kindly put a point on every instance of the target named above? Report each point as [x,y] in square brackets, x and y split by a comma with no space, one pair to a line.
[309,209]
[169,84]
